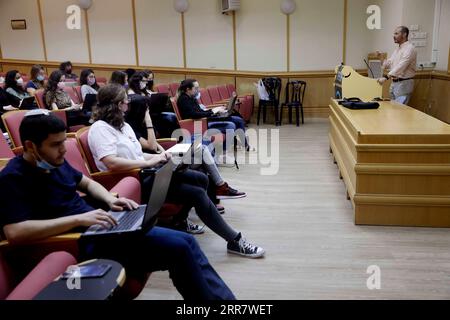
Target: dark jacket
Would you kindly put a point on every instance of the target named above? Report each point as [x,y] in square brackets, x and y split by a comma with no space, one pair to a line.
[190,109]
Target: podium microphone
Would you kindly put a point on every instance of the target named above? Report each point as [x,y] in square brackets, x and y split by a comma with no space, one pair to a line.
[370,69]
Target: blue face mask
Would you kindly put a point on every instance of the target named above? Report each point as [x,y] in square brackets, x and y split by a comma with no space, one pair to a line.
[40,78]
[44,165]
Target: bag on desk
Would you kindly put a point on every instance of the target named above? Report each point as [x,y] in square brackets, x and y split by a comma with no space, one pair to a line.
[358,104]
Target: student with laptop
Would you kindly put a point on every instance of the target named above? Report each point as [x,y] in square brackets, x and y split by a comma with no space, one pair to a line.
[88,83]
[189,93]
[138,117]
[38,193]
[17,95]
[115,147]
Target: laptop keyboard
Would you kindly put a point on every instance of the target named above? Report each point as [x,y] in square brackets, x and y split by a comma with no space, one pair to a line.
[129,219]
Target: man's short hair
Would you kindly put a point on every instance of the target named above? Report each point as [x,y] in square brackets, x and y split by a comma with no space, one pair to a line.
[36,127]
[404,30]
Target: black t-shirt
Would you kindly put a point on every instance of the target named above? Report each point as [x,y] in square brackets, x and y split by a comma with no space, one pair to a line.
[29,193]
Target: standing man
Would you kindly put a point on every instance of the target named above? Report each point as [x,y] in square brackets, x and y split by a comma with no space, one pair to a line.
[402,66]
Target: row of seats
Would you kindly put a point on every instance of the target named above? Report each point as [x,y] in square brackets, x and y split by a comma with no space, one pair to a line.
[216,95]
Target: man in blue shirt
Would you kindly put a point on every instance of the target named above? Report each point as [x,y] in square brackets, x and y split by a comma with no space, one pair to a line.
[39,199]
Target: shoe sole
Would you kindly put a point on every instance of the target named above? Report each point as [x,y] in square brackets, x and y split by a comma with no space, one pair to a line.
[201,231]
[230,197]
[250,256]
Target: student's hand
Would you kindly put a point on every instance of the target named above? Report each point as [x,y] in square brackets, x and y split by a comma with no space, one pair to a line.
[77,107]
[148,119]
[166,156]
[122,204]
[10,108]
[218,110]
[381,81]
[97,217]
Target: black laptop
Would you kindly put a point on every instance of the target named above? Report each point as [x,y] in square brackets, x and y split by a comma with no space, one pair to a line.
[229,110]
[145,217]
[157,102]
[90,100]
[28,104]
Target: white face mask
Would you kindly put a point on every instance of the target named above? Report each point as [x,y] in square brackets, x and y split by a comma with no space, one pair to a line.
[143,85]
[198,95]
[20,82]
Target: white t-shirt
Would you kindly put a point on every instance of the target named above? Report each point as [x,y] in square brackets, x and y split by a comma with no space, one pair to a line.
[104,140]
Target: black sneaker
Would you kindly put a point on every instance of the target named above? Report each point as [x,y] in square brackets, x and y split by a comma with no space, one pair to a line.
[243,248]
[190,227]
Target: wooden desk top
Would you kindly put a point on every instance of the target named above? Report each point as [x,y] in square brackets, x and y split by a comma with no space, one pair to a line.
[393,123]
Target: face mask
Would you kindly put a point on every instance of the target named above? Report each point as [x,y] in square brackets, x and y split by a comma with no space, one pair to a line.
[40,78]
[198,95]
[61,85]
[143,85]
[20,82]
[44,165]
[91,82]
[69,71]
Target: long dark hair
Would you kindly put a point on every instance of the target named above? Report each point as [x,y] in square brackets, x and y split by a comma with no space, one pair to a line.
[84,79]
[108,110]
[151,83]
[186,85]
[118,77]
[53,80]
[135,83]
[137,108]
[10,81]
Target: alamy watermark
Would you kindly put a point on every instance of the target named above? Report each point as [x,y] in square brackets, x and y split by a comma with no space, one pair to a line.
[374,280]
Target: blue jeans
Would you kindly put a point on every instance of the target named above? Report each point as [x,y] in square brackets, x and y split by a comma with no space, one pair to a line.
[231,123]
[163,249]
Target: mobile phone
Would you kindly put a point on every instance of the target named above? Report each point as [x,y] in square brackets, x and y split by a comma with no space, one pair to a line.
[91,271]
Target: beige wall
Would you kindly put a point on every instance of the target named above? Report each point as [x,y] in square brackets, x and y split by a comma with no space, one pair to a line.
[316,33]
[62,43]
[209,36]
[111,30]
[261,36]
[159,33]
[444,36]
[20,44]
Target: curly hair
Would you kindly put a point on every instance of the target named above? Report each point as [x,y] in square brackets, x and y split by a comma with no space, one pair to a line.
[108,109]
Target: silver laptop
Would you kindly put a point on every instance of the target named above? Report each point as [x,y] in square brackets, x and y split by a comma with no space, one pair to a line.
[144,218]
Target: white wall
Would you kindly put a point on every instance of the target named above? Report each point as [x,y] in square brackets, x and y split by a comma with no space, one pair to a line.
[359,37]
[159,34]
[444,37]
[20,44]
[209,36]
[112,34]
[261,36]
[317,35]
[62,43]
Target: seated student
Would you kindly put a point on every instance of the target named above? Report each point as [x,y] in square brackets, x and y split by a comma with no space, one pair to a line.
[14,87]
[38,193]
[37,81]
[138,117]
[66,69]
[88,83]
[115,147]
[188,95]
[5,105]
[165,122]
[120,78]
[57,99]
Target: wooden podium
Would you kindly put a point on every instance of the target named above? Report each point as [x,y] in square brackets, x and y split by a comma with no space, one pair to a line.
[395,161]
[349,83]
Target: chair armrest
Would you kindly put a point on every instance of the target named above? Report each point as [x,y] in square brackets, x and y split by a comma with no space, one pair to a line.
[71,135]
[110,179]
[4,162]
[56,239]
[212,106]
[167,143]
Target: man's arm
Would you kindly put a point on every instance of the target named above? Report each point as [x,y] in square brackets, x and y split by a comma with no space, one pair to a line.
[405,61]
[34,230]
[98,192]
